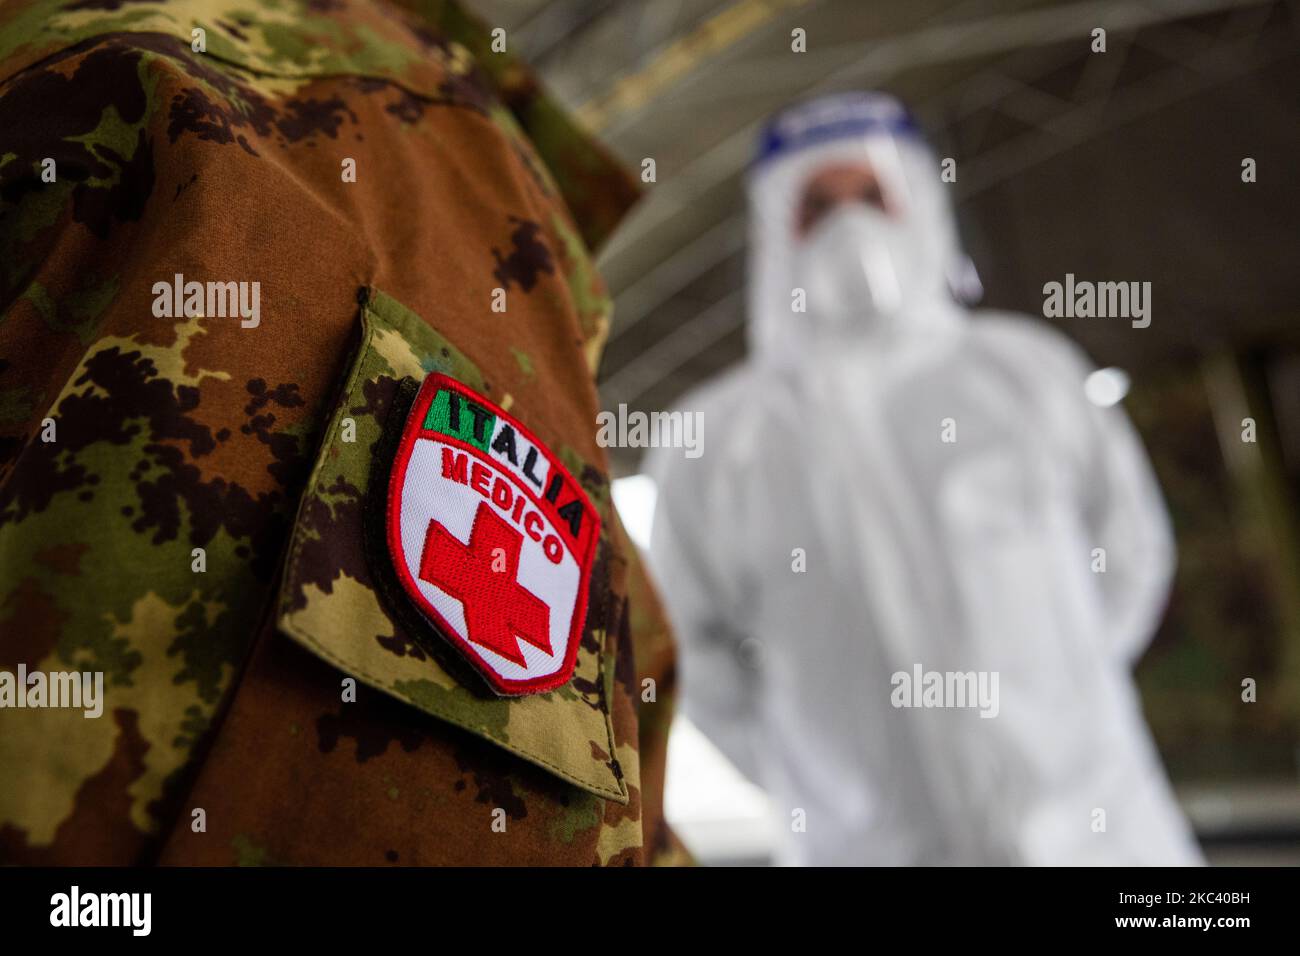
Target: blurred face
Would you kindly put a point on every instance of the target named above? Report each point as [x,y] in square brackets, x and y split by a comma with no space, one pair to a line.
[860,255]
[834,186]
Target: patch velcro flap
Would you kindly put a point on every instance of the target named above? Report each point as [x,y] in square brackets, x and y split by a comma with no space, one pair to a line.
[481,602]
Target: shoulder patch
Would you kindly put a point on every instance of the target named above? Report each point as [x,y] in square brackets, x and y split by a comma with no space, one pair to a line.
[491,538]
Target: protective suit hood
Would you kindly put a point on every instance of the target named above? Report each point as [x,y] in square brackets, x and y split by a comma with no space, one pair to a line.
[862,272]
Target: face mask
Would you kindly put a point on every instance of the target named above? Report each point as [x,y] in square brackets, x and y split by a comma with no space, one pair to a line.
[859,264]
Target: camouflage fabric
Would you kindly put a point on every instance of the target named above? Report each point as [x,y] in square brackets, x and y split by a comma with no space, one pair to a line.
[179,507]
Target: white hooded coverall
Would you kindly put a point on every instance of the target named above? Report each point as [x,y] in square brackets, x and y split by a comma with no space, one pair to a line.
[947,484]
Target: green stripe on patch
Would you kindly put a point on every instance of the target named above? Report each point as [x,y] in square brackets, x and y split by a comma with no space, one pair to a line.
[469,422]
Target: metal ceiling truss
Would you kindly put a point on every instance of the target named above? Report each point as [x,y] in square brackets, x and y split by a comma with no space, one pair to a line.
[1197,61]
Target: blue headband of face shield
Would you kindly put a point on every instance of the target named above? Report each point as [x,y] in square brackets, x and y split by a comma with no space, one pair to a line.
[831,118]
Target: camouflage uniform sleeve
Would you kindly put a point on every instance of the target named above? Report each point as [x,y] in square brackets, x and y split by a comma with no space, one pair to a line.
[153,462]
[596,188]
[149,465]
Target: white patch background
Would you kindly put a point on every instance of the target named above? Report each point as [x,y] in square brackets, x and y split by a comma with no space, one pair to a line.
[427,496]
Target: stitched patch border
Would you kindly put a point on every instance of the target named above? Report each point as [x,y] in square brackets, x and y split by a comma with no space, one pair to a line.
[536,525]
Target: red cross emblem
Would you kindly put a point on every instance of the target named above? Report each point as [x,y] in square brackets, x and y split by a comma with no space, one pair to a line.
[491,537]
[499,611]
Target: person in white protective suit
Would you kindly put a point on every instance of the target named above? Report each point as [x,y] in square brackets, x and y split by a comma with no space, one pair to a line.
[901,505]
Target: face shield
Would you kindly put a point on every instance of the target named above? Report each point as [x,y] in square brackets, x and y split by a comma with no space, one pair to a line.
[851,231]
